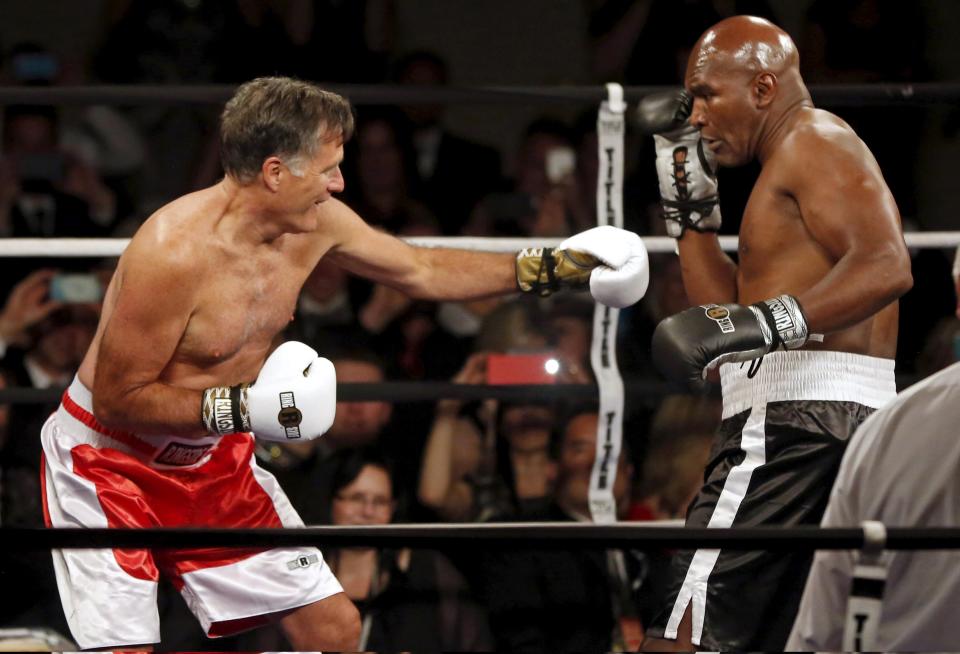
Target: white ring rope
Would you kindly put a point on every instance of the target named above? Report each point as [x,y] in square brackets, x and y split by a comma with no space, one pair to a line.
[113,247]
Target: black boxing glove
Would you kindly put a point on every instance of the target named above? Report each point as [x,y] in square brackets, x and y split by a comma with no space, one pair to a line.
[686,170]
[664,112]
[689,344]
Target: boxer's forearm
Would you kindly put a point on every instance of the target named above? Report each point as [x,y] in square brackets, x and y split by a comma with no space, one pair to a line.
[152,408]
[449,274]
[709,275]
[860,285]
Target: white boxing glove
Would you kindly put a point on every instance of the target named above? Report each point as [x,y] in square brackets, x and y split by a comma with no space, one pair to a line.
[293,398]
[624,273]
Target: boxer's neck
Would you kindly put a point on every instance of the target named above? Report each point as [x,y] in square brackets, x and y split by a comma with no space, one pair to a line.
[247,217]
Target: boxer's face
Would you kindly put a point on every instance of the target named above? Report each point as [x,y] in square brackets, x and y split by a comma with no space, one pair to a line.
[314,180]
[722,110]
[323,172]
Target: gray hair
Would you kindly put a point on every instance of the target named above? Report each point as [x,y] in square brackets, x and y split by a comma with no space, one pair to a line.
[279,116]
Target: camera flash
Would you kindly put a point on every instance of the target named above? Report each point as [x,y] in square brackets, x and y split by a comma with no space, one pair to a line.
[552,366]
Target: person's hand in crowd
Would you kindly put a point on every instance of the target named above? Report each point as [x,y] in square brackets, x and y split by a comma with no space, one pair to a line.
[474,371]
[452,451]
[83,181]
[28,304]
[551,219]
[573,372]
[384,306]
[581,206]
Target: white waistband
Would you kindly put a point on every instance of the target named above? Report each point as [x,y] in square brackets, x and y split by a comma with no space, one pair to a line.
[80,394]
[808,375]
[161,451]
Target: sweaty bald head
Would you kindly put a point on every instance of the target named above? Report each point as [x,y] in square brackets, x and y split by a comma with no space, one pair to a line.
[747,44]
[744,77]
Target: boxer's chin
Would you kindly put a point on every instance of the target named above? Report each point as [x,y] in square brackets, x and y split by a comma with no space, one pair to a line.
[726,158]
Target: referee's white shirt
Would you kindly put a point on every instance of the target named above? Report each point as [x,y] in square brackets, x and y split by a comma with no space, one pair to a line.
[901,468]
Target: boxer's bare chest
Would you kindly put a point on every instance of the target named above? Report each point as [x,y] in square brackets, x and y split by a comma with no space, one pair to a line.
[776,251]
[243,305]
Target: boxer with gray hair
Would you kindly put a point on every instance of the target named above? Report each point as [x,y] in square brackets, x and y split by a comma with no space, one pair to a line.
[155,429]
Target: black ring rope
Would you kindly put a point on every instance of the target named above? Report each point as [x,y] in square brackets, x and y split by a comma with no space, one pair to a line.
[921,93]
[418,391]
[486,536]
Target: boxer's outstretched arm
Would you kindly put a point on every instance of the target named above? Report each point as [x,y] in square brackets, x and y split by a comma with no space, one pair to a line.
[428,273]
[153,293]
[709,275]
[850,212]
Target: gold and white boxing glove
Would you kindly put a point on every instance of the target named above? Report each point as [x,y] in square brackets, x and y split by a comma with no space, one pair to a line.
[612,261]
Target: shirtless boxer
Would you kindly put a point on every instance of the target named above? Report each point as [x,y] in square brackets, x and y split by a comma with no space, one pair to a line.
[154,430]
[821,253]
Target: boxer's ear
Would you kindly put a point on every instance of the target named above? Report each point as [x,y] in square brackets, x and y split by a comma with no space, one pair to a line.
[271,171]
[764,89]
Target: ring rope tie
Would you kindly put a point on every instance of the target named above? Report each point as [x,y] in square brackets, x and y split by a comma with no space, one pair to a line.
[867,584]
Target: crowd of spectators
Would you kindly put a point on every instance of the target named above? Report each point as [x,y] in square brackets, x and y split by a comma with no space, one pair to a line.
[99,171]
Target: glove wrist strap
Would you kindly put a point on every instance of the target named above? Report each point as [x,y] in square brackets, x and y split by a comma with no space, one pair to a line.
[701,216]
[784,320]
[546,270]
[224,409]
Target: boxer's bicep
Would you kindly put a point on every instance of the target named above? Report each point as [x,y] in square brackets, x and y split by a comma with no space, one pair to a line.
[370,252]
[421,272]
[154,301]
[844,202]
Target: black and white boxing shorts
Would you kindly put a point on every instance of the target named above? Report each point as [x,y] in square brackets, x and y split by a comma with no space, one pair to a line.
[773,462]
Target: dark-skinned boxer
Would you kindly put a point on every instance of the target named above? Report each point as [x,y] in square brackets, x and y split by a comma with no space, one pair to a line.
[821,252]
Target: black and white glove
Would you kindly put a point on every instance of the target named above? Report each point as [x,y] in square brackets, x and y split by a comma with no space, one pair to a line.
[689,344]
[686,170]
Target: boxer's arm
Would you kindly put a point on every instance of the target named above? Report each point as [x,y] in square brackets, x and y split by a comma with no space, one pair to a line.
[709,275]
[154,298]
[428,273]
[850,212]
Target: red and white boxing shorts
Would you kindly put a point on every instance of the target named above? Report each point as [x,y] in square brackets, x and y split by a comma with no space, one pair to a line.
[96,477]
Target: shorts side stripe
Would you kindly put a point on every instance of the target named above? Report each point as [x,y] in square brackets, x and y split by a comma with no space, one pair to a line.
[694,589]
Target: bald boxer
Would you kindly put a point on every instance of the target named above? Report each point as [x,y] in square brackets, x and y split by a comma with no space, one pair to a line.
[821,256]
[156,428]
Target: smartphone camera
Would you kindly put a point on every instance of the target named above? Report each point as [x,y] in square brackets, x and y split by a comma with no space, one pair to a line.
[522,368]
[76,288]
[34,67]
[560,163]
